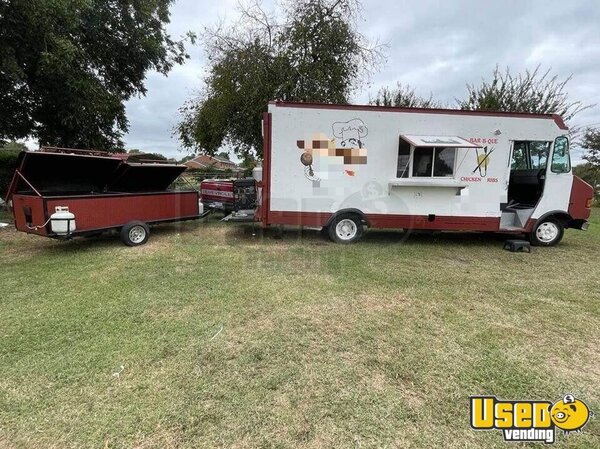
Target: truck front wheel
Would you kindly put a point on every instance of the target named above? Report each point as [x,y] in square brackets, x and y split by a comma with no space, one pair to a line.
[345,228]
[547,232]
[135,233]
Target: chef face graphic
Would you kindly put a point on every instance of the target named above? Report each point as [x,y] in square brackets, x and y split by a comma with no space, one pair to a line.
[322,156]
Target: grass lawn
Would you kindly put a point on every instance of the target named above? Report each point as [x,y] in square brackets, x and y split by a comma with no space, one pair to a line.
[208,337]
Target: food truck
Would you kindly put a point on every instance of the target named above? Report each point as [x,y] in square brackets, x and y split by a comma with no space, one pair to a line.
[347,167]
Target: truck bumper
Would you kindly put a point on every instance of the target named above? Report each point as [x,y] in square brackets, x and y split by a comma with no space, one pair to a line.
[578,224]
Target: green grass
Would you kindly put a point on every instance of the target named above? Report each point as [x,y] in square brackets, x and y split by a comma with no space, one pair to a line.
[5,215]
[208,337]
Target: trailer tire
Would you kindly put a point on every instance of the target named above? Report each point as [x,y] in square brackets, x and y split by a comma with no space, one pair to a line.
[345,228]
[135,233]
[547,232]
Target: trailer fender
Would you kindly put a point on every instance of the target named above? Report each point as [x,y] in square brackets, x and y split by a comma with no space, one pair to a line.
[349,211]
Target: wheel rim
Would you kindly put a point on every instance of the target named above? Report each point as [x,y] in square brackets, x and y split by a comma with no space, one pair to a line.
[137,234]
[346,229]
[547,232]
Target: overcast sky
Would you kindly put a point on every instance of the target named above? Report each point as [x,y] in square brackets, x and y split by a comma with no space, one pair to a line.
[435,46]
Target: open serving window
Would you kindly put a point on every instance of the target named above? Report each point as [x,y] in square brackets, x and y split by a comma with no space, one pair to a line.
[429,156]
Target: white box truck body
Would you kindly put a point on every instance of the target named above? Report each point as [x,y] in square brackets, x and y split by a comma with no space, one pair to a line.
[349,166]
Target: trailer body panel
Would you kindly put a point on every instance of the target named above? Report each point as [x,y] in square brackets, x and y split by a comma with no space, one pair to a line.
[105,211]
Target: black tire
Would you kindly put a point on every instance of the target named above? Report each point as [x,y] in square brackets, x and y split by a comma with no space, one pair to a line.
[345,228]
[547,232]
[135,233]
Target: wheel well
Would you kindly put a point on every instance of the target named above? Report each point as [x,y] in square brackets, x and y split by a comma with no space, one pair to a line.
[357,212]
[563,217]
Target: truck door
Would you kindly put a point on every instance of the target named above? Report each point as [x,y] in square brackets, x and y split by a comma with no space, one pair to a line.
[559,179]
[528,172]
[527,182]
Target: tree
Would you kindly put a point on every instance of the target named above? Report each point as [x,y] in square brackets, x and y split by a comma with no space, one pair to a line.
[9,154]
[403,96]
[314,53]
[189,157]
[534,91]
[223,155]
[137,155]
[14,146]
[591,143]
[589,173]
[68,66]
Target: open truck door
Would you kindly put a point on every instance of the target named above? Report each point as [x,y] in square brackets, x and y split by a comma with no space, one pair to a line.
[544,197]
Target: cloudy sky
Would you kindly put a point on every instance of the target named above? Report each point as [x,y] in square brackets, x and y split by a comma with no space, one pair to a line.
[435,46]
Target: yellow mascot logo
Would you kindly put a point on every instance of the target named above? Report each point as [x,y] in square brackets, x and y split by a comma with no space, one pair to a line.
[570,414]
[523,421]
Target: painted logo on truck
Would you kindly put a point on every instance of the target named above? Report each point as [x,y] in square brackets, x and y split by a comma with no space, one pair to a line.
[482,160]
[324,157]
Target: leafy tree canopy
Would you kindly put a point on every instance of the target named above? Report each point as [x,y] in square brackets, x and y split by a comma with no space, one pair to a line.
[189,157]
[14,146]
[9,154]
[533,91]
[68,66]
[591,143]
[313,53]
[403,96]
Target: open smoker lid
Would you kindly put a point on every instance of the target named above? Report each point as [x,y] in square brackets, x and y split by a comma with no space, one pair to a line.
[61,173]
[131,177]
[65,173]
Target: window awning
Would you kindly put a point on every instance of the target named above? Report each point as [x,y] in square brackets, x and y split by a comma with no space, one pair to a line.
[439,141]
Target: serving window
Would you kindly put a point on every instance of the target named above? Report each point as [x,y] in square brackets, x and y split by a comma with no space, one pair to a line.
[434,162]
[429,156]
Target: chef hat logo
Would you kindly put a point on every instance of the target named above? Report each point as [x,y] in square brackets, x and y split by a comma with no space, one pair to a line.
[354,128]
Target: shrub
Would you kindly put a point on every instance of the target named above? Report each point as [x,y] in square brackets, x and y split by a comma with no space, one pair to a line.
[8,164]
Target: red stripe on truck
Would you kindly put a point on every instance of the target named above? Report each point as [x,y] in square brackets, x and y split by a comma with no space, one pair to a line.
[382,221]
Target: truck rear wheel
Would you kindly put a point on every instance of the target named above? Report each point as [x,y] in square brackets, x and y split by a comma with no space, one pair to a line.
[135,233]
[345,228]
[547,232]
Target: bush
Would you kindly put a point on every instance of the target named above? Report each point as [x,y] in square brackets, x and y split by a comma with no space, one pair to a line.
[8,164]
[590,174]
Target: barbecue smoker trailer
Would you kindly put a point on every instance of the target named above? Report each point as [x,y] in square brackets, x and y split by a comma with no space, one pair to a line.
[345,167]
[67,193]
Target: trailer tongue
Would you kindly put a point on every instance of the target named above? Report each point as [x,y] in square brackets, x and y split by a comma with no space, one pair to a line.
[66,193]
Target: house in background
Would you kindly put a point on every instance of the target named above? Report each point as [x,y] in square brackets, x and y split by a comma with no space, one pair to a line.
[213,162]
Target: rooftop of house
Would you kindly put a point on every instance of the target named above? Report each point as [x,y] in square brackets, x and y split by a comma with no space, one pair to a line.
[206,161]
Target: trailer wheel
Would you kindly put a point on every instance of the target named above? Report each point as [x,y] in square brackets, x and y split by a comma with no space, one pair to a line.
[135,233]
[547,232]
[345,228]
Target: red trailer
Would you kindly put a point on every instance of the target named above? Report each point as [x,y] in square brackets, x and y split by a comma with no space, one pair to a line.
[67,193]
